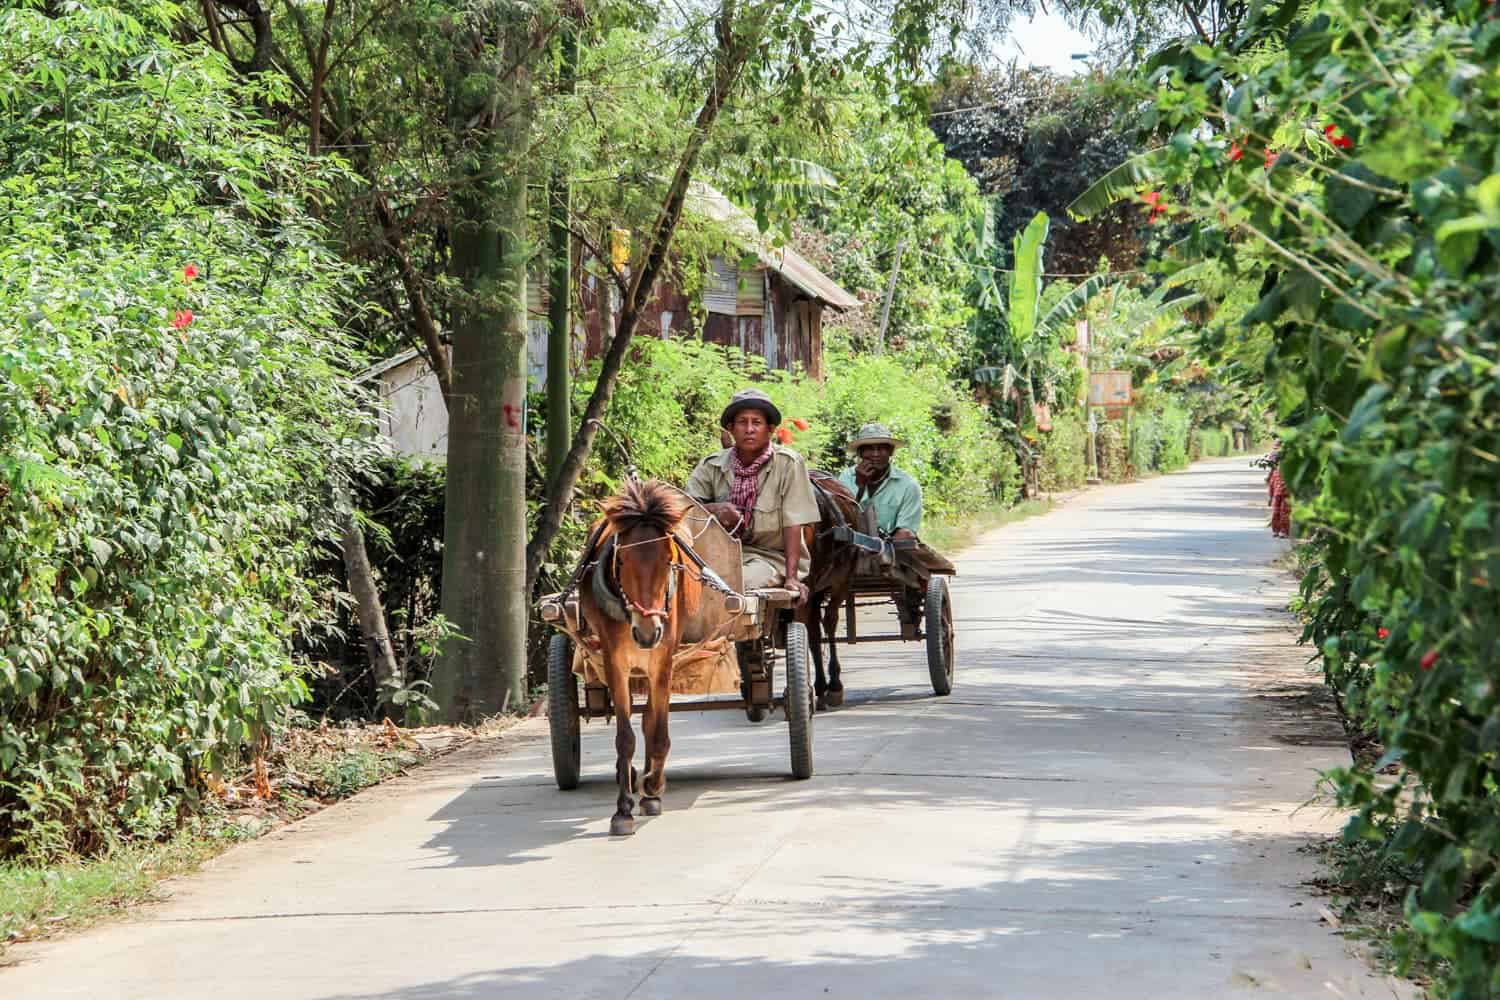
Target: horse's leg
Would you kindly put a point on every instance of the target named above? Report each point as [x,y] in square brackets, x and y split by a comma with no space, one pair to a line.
[622,824]
[836,598]
[658,743]
[814,625]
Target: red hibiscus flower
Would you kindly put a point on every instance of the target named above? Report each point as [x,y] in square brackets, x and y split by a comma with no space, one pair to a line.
[1158,206]
[182,318]
[189,273]
[1271,159]
[1235,152]
[783,435]
[1382,633]
[1339,141]
[1429,658]
[800,424]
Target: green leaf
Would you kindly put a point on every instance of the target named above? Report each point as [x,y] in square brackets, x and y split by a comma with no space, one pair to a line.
[1142,170]
[1456,252]
[1349,203]
[1366,410]
[1465,224]
[1025,292]
[1072,304]
[1478,922]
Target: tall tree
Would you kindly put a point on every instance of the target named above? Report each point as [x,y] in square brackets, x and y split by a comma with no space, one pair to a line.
[737,34]
[484,534]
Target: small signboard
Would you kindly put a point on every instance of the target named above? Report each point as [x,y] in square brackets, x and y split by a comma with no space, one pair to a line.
[1110,391]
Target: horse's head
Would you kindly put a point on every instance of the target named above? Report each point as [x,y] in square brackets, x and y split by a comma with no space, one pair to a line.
[643,517]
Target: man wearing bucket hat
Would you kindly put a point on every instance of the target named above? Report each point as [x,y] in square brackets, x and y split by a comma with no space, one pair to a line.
[759,490]
[875,482]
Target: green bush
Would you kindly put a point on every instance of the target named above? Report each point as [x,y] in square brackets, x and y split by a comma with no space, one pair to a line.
[951,448]
[1110,442]
[1159,431]
[401,507]
[1211,442]
[1064,463]
[165,442]
[667,406]
[1172,443]
[1144,441]
[1377,336]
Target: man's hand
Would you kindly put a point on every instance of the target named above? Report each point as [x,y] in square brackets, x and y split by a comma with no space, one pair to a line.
[802,592]
[726,514]
[902,533]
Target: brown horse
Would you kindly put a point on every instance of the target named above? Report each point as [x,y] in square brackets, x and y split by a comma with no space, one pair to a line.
[636,597]
[829,580]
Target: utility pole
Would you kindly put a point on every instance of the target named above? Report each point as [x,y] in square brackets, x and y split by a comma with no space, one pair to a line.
[890,293]
[560,288]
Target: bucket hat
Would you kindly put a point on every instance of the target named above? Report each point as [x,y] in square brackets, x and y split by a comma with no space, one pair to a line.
[874,434]
[750,399]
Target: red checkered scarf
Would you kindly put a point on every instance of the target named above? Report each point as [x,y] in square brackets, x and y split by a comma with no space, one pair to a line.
[744,488]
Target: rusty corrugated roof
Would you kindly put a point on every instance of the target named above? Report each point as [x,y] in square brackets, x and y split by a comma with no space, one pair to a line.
[706,200]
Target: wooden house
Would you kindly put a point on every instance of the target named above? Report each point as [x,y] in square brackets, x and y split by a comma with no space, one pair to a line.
[769,302]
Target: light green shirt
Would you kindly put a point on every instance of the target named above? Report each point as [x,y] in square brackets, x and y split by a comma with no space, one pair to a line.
[897,501]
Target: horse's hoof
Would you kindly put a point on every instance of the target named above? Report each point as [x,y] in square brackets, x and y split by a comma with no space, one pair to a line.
[621,826]
[650,807]
[823,703]
[835,699]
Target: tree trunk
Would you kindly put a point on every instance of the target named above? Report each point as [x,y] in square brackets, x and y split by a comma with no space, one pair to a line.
[560,313]
[319,70]
[368,607]
[483,672]
[733,47]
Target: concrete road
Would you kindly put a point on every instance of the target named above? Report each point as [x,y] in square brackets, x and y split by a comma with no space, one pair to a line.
[1111,803]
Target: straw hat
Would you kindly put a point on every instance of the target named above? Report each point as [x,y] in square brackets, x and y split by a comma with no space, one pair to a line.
[750,399]
[874,434]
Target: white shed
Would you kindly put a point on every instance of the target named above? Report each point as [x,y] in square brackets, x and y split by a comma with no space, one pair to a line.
[412,415]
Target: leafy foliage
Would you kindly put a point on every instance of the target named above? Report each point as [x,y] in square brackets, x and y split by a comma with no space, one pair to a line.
[1064,461]
[1033,141]
[169,432]
[667,409]
[1351,178]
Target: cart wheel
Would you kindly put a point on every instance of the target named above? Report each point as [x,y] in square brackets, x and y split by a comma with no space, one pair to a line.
[799,700]
[939,636]
[562,712]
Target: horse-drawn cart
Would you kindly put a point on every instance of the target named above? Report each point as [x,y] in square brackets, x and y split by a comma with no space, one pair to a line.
[906,574]
[736,646]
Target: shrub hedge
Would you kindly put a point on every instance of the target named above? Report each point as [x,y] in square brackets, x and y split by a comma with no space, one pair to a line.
[167,433]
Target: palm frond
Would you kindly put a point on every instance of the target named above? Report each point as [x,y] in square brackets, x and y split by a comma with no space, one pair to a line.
[1072,304]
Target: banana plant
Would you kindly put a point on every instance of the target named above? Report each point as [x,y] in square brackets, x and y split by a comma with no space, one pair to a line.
[1032,334]
[1142,170]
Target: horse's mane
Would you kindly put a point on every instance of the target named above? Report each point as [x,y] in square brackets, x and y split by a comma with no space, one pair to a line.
[652,504]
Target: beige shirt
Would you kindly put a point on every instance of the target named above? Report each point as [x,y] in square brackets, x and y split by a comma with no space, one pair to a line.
[785,500]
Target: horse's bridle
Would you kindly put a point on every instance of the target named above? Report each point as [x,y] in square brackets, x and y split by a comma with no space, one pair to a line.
[674,552]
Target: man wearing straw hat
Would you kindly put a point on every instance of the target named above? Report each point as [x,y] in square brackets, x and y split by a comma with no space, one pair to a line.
[875,482]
